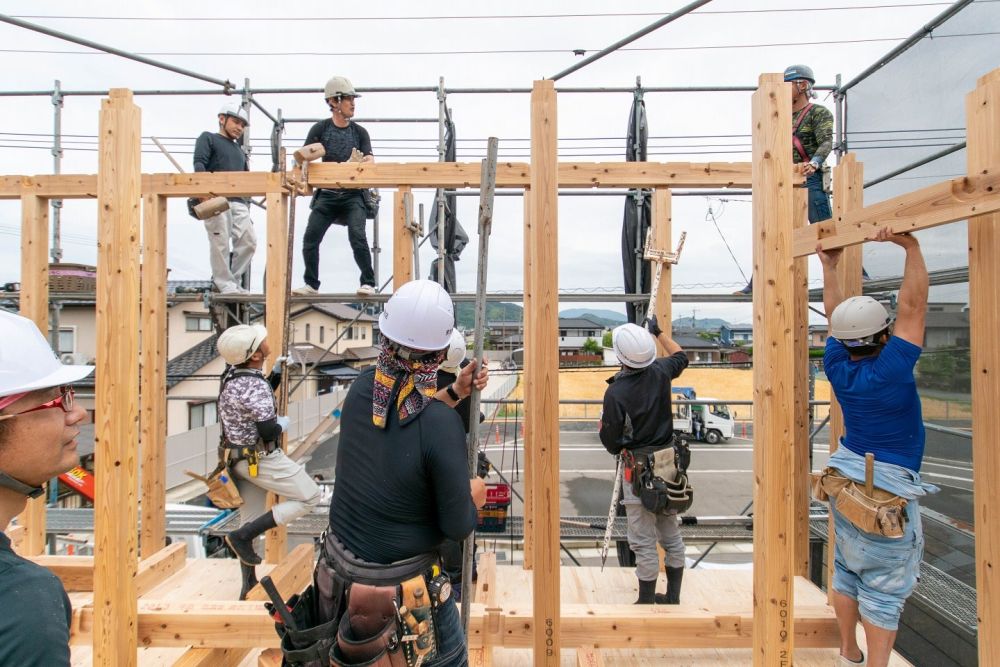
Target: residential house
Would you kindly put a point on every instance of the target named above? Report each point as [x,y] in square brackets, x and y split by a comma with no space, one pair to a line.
[946,326]
[736,334]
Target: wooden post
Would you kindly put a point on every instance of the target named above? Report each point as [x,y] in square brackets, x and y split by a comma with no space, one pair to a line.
[34,306]
[543,372]
[773,373]
[800,440]
[153,376]
[982,109]
[526,346]
[276,539]
[849,195]
[402,241]
[116,432]
[662,240]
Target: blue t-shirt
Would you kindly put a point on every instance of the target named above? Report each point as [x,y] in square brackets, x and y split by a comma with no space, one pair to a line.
[879,397]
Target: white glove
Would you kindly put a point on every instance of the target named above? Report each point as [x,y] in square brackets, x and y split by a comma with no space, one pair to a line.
[283,423]
[280,361]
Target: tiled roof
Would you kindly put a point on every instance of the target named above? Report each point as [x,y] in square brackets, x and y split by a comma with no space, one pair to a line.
[313,354]
[343,312]
[579,323]
[189,362]
[361,353]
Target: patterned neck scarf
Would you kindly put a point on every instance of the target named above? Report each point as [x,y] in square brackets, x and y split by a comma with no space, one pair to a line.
[417,382]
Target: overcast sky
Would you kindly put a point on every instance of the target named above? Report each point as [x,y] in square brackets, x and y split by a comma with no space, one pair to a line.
[412,44]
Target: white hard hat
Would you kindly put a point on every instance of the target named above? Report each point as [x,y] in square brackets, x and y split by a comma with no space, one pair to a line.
[858,317]
[419,315]
[634,346]
[456,352]
[339,86]
[238,343]
[27,362]
[236,110]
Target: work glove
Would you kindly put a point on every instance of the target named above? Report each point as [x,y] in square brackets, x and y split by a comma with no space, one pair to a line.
[279,363]
[653,326]
[482,465]
[283,423]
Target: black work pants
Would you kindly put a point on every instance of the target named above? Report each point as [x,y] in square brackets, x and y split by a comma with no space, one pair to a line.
[330,208]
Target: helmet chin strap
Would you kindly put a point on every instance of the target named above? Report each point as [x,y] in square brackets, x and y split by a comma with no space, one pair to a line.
[20,487]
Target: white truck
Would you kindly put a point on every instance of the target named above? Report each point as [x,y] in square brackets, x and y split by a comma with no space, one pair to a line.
[713,420]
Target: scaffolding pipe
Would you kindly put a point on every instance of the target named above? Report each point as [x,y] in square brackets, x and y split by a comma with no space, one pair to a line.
[226,85]
[669,18]
[919,163]
[260,107]
[367,120]
[439,195]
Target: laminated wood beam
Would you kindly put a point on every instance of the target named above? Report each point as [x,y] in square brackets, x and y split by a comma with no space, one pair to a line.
[656,175]
[159,567]
[773,374]
[402,241]
[938,204]
[62,186]
[527,327]
[16,536]
[116,431]
[800,439]
[34,306]
[662,240]
[588,656]
[221,184]
[543,374]
[153,376]
[75,572]
[982,108]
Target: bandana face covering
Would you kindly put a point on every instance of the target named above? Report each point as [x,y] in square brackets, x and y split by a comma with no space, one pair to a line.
[417,381]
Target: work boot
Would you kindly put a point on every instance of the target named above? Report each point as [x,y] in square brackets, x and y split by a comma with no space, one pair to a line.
[674,577]
[647,592]
[249,576]
[240,541]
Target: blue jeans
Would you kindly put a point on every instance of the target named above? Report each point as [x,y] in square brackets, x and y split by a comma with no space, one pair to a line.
[451,648]
[878,572]
[335,208]
[819,201]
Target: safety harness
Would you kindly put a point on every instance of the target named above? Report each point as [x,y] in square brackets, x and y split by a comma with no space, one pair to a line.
[799,147]
[236,452]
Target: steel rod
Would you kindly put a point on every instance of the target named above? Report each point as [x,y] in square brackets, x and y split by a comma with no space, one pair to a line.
[918,163]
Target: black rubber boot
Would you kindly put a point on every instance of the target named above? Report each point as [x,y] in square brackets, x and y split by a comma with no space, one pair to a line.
[647,592]
[249,574]
[674,577]
[240,541]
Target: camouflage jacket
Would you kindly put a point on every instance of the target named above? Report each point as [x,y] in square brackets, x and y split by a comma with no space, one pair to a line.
[815,133]
[243,402]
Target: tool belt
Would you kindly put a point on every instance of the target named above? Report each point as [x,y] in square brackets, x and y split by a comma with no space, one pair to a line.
[869,509]
[659,476]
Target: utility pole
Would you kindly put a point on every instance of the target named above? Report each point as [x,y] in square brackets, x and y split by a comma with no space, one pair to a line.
[56,251]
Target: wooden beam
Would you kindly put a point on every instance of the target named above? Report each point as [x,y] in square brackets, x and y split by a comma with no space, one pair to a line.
[773,374]
[272,657]
[75,572]
[982,109]
[849,196]
[800,438]
[938,204]
[528,346]
[588,656]
[159,567]
[34,306]
[402,239]
[662,240]
[656,175]
[543,373]
[276,539]
[116,432]
[486,594]
[153,376]
[62,186]
[16,536]
[222,184]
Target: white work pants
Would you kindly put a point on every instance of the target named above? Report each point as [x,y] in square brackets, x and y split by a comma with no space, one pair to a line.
[278,473]
[229,263]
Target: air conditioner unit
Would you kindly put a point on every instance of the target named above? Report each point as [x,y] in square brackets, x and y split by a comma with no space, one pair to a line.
[73,358]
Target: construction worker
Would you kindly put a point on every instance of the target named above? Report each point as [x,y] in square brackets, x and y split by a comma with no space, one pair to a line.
[637,420]
[39,423]
[231,237]
[402,474]
[344,141]
[251,434]
[812,141]
[869,361]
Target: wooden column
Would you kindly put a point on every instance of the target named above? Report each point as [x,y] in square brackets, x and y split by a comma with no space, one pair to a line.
[543,372]
[276,539]
[773,373]
[662,240]
[849,195]
[153,376]
[982,108]
[116,432]
[402,239]
[34,306]
[800,439]
[529,464]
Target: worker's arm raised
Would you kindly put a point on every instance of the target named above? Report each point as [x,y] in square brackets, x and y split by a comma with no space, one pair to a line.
[911,304]
[833,294]
[668,343]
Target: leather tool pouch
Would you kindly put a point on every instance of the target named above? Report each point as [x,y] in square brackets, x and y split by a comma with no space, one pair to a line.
[881,513]
[370,633]
[659,479]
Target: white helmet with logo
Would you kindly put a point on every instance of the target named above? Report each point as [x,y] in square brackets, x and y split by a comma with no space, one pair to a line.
[27,362]
[236,110]
[456,352]
[633,345]
[238,343]
[858,317]
[419,315]
[339,86]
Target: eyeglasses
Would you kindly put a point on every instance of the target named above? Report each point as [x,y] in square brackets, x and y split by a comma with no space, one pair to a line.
[63,401]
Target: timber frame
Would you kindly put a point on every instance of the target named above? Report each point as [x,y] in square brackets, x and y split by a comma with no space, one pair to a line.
[117,620]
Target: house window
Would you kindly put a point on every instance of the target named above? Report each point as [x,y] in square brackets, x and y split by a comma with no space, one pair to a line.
[322,334]
[350,333]
[67,342]
[202,414]
[364,333]
[308,327]
[197,323]
[562,333]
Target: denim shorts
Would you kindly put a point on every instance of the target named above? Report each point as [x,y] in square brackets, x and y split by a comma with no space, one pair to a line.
[878,572]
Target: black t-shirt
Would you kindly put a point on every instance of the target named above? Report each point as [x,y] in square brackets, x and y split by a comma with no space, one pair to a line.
[399,490]
[339,142]
[214,152]
[643,396]
[34,625]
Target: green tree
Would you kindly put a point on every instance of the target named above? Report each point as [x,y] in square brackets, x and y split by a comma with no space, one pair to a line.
[591,346]
[606,339]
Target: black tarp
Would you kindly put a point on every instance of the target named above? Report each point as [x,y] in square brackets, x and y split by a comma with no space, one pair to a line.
[454,236]
[638,212]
